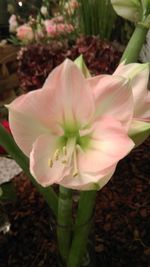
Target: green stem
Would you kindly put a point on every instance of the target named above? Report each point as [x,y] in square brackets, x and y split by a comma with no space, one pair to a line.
[82,228]
[135,44]
[64,222]
[7,142]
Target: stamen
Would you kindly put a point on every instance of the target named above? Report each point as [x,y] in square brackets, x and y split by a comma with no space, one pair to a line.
[64,161]
[75,174]
[56,154]
[65,150]
[50,163]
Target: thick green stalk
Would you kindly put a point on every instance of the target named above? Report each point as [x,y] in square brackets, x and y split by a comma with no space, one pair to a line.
[135,44]
[82,228]
[13,150]
[64,222]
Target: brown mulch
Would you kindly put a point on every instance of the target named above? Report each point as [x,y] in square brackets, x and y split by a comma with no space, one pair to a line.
[122,220]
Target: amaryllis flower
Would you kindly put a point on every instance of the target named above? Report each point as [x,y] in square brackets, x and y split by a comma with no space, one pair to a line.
[139,77]
[74,129]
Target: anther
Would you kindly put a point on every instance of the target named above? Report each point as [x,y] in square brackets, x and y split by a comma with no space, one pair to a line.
[75,174]
[56,154]
[64,161]
[50,163]
[65,150]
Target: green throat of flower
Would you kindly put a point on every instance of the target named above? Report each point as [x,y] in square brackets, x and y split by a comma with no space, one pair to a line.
[68,148]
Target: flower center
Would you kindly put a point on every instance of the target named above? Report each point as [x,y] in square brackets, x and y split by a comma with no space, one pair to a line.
[59,154]
[67,153]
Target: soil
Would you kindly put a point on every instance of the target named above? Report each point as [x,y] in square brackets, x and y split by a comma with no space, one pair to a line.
[122,220]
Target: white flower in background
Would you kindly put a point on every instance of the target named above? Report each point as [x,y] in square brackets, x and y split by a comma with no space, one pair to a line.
[44,11]
[13,24]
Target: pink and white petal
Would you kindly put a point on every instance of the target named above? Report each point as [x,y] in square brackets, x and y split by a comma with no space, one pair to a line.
[139,75]
[25,130]
[88,181]
[113,96]
[143,111]
[37,105]
[30,116]
[109,143]
[73,97]
[43,151]
[139,131]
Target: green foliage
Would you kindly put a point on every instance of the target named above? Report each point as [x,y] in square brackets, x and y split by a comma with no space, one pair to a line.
[7,192]
[97,17]
[3,13]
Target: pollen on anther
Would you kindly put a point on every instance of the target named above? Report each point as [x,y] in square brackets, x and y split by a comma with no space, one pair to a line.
[56,154]
[64,161]
[65,150]
[75,174]
[50,163]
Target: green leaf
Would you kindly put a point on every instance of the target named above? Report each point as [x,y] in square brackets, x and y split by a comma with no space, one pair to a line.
[8,192]
[139,131]
[82,66]
[146,7]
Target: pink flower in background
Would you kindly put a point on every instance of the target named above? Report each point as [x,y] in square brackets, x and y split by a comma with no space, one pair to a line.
[71,6]
[69,28]
[64,28]
[25,33]
[51,28]
[74,130]
[74,4]
[54,29]
[57,19]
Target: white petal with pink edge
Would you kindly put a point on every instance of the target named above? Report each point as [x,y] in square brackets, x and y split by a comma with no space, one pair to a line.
[46,161]
[88,181]
[139,76]
[73,97]
[25,130]
[113,96]
[108,144]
